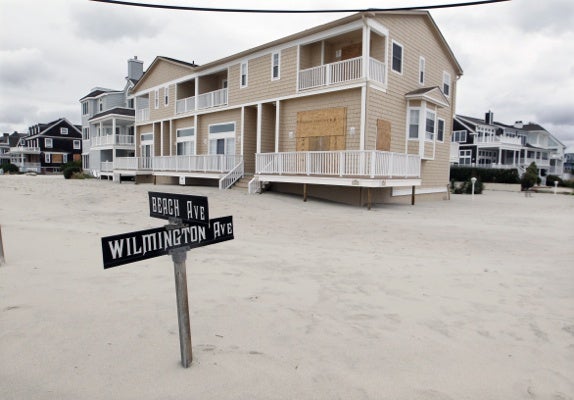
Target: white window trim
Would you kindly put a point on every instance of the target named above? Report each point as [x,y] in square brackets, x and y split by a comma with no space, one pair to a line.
[274,78]
[409,109]
[48,143]
[246,64]
[222,135]
[48,158]
[77,144]
[85,108]
[422,72]
[443,129]
[185,139]
[434,127]
[63,131]
[166,96]
[402,57]
[156,99]
[446,79]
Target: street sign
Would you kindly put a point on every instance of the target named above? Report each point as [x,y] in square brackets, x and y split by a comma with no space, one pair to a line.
[188,208]
[130,247]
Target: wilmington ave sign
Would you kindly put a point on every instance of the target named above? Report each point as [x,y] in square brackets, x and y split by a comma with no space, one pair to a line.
[189,227]
[130,247]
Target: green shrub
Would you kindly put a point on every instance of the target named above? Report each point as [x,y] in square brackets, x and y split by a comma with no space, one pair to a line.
[491,175]
[9,168]
[550,179]
[71,168]
[466,187]
[530,177]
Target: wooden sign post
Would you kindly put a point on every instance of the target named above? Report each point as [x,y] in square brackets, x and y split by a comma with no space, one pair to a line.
[2,259]
[189,227]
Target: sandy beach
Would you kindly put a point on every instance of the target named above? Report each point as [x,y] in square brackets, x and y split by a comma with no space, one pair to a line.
[459,299]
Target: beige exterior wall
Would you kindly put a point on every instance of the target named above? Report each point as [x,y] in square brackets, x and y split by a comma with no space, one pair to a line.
[260,86]
[162,72]
[202,134]
[349,99]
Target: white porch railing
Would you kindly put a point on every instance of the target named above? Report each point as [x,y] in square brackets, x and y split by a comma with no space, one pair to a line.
[232,176]
[217,163]
[212,99]
[350,163]
[539,162]
[142,115]
[107,166]
[185,105]
[125,140]
[339,72]
[29,167]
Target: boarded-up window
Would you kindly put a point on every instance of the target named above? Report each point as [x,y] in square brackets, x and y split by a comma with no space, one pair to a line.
[383,135]
[322,130]
[56,159]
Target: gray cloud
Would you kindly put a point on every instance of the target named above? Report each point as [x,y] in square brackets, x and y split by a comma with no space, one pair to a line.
[106,23]
[19,68]
[550,16]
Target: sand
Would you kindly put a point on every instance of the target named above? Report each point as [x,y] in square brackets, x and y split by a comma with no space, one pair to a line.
[459,299]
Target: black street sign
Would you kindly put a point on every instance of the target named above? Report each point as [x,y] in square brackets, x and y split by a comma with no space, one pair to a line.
[188,208]
[130,247]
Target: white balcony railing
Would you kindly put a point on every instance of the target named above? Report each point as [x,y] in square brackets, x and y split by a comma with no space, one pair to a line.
[212,99]
[108,140]
[502,139]
[185,105]
[24,150]
[142,115]
[351,163]
[214,163]
[340,72]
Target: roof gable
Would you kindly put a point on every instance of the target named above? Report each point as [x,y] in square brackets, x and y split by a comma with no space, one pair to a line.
[161,70]
[431,94]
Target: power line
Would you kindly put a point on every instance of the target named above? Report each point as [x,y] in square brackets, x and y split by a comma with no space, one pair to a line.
[264,11]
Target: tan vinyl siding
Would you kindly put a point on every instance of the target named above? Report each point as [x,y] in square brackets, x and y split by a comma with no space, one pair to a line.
[268,128]
[163,111]
[349,99]
[250,138]
[202,134]
[162,72]
[260,86]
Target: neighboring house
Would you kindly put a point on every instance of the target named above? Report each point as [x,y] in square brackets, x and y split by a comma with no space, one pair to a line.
[489,144]
[568,165]
[47,146]
[8,140]
[357,110]
[108,124]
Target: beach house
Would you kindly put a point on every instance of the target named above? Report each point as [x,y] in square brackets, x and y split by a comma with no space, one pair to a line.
[47,146]
[108,117]
[358,110]
[486,143]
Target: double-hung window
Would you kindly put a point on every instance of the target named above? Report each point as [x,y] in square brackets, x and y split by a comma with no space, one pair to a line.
[414,115]
[465,157]
[244,74]
[446,83]
[422,70]
[430,125]
[156,99]
[459,136]
[397,58]
[275,60]
[63,131]
[85,108]
[48,143]
[166,96]
[77,145]
[440,130]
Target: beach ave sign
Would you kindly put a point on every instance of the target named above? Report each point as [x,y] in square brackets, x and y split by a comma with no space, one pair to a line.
[135,246]
[189,227]
[184,207]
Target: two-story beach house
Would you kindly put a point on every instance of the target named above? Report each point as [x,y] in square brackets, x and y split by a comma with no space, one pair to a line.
[358,110]
[108,124]
[47,146]
[486,143]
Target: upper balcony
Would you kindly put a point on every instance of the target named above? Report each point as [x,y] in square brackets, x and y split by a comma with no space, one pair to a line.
[202,93]
[113,140]
[25,150]
[342,59]
[501,139]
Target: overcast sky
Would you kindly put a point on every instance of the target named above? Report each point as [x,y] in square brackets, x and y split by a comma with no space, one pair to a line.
[517,56]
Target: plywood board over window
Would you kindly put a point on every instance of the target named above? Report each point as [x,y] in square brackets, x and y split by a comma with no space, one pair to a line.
[322,130]
[56,159]
[383,135]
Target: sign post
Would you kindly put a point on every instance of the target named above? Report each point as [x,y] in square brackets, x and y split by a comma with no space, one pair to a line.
[189,227]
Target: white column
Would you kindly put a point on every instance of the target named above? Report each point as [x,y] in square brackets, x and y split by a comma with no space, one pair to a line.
[500,156]
[363,130]
[171,137]
[161,138]
[259,121]
[277,125]
[114,130]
